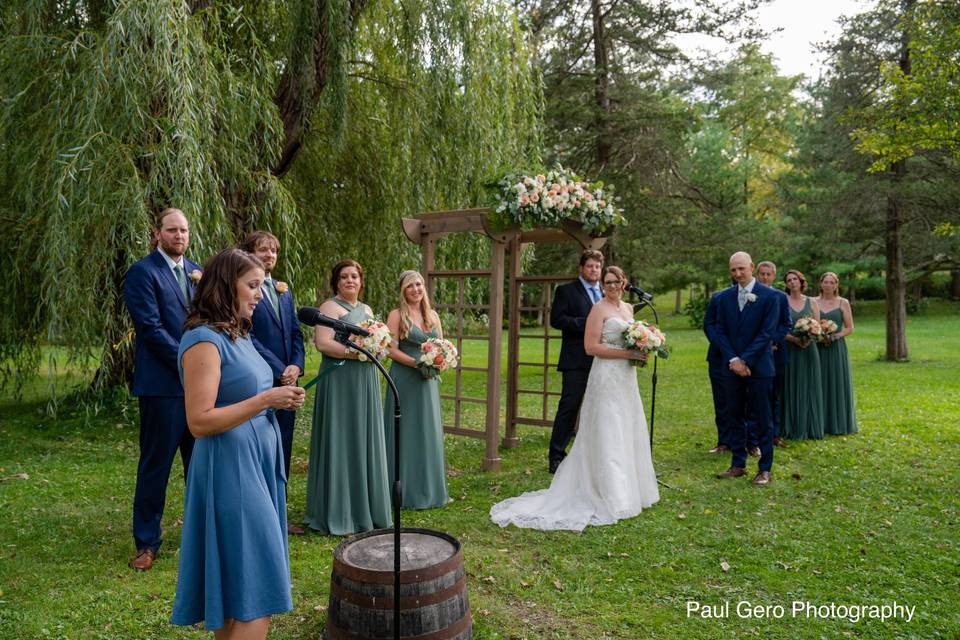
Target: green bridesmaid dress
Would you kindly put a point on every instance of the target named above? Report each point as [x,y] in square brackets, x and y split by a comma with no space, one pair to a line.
[840,415]
[347,485]
[422,468]
[802,400]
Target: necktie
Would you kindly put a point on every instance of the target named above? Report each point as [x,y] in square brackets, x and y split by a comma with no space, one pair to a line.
[742,298]
[272,295]
[182,281]
[593,295]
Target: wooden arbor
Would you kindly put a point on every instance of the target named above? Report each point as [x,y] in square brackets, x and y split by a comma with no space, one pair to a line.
[426,229]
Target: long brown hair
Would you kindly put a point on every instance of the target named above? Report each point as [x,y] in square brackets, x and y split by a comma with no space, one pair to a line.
[803,281]
[215,301]
[430,318]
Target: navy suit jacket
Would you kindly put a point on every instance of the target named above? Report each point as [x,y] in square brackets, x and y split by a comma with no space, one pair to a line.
[746,334]
[159,310]
[571,305]
[278,340]
[783,328]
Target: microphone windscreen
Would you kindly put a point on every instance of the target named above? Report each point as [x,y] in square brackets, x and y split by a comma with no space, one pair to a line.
[308,315]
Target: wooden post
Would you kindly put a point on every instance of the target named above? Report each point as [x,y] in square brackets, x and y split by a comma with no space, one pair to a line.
[510,440]
[497,257]
[428,250]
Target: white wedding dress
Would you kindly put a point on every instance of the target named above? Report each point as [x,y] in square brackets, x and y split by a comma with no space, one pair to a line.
[608,475]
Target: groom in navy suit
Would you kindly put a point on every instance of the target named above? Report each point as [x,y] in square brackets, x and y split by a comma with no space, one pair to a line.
[571,305]
[157,292]
[746,321]
[277,336]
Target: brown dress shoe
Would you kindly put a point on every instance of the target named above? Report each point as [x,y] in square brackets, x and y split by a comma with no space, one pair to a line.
[755,452]
[720,448]
[143,561]
[762,478]
[733,472]
[780,442]
[294,530]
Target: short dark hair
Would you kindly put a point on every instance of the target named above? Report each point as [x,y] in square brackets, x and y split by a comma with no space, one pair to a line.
[591,254]
[803,281]
[215,301]
[335,274]
[253,239]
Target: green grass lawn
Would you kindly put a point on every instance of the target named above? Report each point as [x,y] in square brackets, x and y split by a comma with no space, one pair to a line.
[862,520]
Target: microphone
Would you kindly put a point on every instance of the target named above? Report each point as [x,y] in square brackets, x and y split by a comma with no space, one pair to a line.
[646,297]
[311,316]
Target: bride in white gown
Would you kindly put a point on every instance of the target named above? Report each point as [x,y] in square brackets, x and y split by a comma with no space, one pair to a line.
[608,475]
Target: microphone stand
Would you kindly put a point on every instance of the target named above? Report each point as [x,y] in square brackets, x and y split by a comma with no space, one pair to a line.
[343,337]
[653,394]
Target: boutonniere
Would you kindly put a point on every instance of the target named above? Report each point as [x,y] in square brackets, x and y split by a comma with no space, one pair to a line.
[281,287]
[751,297]
[195,276]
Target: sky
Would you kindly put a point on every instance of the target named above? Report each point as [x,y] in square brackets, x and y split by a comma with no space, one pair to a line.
[803,23]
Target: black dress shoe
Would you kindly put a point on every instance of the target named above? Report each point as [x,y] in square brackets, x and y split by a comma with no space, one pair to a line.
[720,448]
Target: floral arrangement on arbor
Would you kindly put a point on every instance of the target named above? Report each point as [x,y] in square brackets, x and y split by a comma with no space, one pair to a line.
[545,200]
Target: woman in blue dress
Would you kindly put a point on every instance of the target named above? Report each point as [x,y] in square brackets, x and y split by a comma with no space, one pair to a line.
[234,568]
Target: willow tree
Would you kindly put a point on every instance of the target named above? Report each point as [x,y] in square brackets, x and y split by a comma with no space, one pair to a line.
[115,109]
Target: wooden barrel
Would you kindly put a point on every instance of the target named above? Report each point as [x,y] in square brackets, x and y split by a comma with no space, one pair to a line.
[433,587]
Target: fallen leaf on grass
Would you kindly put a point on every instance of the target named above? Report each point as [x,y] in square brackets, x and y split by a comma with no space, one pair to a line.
[524,584]
[16,476]
[490,579]
[322,607]
[558,585]
[468,508]
[724,565]
[483,612]
[795,476]
[681,516]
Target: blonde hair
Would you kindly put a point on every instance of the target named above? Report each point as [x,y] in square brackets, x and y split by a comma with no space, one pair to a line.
[835,277]
[430,318]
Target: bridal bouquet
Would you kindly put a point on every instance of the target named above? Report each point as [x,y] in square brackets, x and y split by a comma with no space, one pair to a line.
[806,328]
[436,356]
[647,338]
[547,199]
[827,330]
[377,343]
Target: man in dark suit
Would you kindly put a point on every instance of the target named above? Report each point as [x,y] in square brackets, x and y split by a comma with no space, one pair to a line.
[747,317]
[157,292]
[716,369]
[571,304]
[766,275]
[277,336]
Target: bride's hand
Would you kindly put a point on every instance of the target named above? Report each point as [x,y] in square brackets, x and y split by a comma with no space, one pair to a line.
[636,354]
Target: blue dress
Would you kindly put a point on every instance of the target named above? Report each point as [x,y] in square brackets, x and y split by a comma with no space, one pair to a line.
[233,554]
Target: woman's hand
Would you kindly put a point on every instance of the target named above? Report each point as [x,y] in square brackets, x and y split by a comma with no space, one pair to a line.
[286,397]
[636,354]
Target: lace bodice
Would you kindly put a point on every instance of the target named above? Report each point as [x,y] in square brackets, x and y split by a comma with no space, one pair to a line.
[612,333]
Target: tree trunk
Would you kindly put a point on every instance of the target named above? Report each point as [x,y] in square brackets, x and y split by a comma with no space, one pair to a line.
[955,284]
[601,92]
[896,290]
[677,303]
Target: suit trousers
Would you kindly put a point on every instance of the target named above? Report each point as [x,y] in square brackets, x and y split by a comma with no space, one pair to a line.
[286,420]
[163,430]
[719,408]
[776,392]
[565,420]
[741,393]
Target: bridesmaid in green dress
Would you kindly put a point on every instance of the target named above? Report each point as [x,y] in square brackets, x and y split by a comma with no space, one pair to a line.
[802,389]
[840,417]
[422,468]
[347,484]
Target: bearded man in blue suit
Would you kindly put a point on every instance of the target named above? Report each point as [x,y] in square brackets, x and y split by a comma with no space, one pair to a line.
[747,316]
[157,292]
[277,336]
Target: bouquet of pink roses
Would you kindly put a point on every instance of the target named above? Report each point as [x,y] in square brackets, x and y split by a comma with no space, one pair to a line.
[377,343]
[806,328]
[436,356]
[647,338]
[828,328]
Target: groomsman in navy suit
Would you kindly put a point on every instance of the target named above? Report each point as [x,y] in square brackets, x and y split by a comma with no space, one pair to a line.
[716,369]
[747,317]
[767,274]
[571,305]
[277,336]
[157,292]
